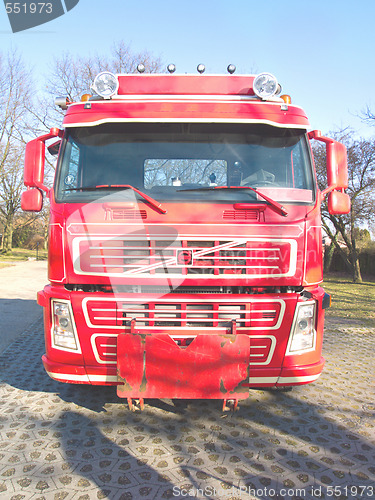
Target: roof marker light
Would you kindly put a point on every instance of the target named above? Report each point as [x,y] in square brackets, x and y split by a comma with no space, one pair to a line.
[62,102]
[171,68]
[105,84]
[231,68]
[141,68]
[286,98]
[201,68]
[265,86]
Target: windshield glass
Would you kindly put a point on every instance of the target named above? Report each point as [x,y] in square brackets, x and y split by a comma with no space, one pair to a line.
[179,162]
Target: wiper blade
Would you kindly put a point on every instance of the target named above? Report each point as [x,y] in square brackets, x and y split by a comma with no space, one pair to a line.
[273,203]
[118,187]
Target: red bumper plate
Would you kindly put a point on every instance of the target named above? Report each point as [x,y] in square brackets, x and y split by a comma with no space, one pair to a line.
[154,366]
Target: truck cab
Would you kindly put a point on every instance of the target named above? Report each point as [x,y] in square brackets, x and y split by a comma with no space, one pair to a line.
[185,248]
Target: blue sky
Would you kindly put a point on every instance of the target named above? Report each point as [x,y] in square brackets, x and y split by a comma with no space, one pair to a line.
[321,52]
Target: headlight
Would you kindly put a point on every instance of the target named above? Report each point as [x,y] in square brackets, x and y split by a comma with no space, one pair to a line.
[64,335]
[106,84]
[303,334]
[265,86]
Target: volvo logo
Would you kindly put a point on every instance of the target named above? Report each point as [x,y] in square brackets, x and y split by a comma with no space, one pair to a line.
[185,257]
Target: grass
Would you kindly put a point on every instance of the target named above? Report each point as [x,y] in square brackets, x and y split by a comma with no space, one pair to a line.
[5,264]
[351,301]
[19,255]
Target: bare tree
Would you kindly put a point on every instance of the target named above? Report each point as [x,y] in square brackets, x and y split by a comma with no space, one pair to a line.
[11,186]
[361,173]
[367,115]
[16,89]
[22,112]
[72,76]
[15,93]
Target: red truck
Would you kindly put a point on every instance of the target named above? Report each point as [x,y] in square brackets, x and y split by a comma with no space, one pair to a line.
[185,246]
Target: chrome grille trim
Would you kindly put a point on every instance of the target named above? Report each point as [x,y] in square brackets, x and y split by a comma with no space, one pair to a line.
[208,258]
[173,313]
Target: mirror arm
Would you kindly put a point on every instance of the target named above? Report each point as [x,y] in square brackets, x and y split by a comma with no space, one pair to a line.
[317,135]
[42,187]
[329,189]
[54,132]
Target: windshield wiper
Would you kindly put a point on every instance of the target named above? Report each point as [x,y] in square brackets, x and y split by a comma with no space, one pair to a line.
[273,203]
[118,187]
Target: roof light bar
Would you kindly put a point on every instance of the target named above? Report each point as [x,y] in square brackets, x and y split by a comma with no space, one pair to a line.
[106,84]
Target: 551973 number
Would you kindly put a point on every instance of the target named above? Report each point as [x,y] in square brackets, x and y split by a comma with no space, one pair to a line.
[28,8]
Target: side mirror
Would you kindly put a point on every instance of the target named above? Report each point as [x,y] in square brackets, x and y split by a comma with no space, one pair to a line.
[338,203]
[337,174]
[33,173]
[32,200]
[35,160]
[337,165]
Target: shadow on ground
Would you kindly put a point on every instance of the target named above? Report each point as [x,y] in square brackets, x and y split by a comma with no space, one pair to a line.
[317,436]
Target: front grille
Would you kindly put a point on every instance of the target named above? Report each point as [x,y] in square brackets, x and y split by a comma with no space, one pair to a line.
[152,257]
[150,316]
[105,348]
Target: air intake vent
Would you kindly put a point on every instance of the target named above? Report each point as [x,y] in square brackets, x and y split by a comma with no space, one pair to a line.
[241,215]
[125,214]
[129,214]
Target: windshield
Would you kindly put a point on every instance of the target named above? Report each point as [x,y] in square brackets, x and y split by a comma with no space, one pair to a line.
[185,162]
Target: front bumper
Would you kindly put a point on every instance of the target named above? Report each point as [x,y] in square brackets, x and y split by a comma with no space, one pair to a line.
[221,363]
[95,375]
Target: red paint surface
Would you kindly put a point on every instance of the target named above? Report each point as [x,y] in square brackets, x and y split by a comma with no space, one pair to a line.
[224,354]
[153,366]
[167,110]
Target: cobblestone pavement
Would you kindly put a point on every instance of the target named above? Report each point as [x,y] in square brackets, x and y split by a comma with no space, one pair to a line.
[19,284]
[78,442]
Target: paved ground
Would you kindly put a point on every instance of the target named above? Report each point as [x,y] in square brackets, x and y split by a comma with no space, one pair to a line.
[19,285]
[62,441]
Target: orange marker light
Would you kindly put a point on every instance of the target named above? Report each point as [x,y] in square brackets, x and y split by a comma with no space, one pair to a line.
[286,98]
[85,97]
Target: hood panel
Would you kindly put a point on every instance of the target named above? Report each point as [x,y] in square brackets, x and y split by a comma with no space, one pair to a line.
[206,252]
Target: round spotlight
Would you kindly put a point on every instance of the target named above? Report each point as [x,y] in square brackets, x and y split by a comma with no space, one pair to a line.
[265,85]
[231,68]
[171,68]
[201,68]
[105,84]
[141,68]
